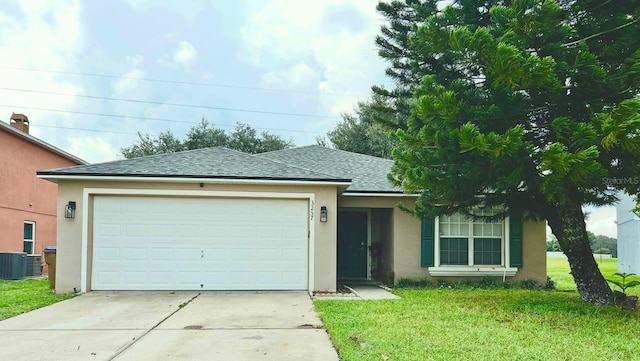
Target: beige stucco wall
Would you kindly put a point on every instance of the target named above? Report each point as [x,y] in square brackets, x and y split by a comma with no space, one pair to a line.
[399,257]
[69,256]
[405,254]
[534,248]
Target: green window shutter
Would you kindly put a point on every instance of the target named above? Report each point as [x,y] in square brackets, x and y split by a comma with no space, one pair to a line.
[427,238]
[515,238]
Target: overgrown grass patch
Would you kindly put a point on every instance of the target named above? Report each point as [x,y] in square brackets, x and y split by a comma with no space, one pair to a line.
[25,295]
[462,324]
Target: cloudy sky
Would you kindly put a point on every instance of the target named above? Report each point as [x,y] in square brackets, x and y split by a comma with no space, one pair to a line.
[90,74]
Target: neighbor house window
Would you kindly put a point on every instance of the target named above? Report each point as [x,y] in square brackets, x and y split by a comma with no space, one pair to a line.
[29,237]
[470,243]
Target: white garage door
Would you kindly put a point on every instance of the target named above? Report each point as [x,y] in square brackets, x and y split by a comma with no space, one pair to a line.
[163,243]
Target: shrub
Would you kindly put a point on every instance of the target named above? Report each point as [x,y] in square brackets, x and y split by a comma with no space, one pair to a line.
[529,284]
[463,284]
[414,283]
[488,282]
[550,285]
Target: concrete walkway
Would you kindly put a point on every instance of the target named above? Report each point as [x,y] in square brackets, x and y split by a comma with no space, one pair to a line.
[372,292]
[170,326]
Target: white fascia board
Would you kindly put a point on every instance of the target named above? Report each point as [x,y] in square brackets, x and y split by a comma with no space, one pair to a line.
[191,180]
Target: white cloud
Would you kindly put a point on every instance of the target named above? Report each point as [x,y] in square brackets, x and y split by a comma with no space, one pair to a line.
[189,13]
[335,38]
[92,149]
[134,60]
[297,76]
[127,83]
[602,220]
[185,54]
[41,35]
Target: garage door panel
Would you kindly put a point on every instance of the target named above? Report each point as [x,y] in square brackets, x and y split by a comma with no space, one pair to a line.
[135,254]
[107,277]
[156,243]
[161,254]
[106,254]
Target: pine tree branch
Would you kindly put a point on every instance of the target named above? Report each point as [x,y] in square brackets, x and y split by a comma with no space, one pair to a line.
[602,33]
[601,5]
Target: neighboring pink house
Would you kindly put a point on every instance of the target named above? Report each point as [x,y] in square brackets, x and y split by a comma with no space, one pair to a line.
[28,204]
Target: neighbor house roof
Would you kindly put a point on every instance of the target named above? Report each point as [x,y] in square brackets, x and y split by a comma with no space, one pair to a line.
[368,174]
[33,140]
[213,163]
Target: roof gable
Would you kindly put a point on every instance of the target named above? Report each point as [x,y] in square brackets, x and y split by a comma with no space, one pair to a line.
[367,173]
[42,144]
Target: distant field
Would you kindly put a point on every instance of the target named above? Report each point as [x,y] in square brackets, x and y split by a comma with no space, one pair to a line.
[558,270]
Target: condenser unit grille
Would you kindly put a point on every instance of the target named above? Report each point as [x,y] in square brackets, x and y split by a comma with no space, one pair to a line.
[13,265]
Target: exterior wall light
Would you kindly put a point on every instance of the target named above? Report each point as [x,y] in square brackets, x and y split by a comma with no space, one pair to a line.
[70,210]
[323,214]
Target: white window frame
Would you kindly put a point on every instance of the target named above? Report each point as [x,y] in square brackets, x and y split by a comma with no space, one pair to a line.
[471,269]
[33,236]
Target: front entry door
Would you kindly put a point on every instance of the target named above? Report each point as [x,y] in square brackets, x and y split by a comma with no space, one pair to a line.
[352,244]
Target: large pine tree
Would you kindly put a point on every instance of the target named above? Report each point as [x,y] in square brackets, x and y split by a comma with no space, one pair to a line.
[523,104]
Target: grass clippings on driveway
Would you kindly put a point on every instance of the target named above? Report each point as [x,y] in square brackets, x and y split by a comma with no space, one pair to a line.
[25,295]
[455,324]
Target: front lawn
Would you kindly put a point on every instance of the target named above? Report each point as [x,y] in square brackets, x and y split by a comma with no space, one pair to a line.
[25,295]
[466,324]
[558,270]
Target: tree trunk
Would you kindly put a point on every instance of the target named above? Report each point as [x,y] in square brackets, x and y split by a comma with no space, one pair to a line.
[570,229]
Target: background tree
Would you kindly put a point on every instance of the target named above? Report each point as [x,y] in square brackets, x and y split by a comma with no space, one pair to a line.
[522,104]
[203,135]
[599,242]
[359,133]
[553,245]
[246,139]
[165,142]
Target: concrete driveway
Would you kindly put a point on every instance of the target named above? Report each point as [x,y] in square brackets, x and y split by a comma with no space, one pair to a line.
[170,326]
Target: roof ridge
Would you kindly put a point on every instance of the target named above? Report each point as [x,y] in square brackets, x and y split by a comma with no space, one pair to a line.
[286,149]
[159,155]
[360,154]
[328,148]
[258,155]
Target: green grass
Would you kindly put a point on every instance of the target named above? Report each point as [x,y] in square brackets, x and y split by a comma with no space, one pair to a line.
[25,295]
[558,270]
[462,324]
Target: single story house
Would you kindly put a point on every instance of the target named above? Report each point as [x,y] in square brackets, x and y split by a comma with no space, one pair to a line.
[294,219]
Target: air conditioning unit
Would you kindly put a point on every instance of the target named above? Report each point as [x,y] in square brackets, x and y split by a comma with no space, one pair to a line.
[34,265]
[13,265]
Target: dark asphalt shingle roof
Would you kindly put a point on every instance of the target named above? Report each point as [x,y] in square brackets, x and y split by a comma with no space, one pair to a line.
[311,163]
[215,162]
[367,173]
